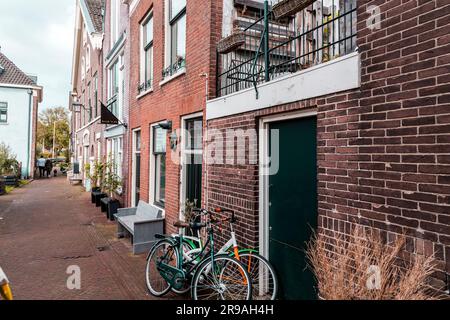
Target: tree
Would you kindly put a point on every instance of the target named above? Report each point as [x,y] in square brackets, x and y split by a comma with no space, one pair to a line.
[48,118]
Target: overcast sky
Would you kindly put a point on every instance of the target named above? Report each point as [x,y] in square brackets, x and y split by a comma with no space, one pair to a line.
[37,35]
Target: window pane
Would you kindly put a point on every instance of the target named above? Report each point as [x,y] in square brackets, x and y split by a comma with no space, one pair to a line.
[148,32]
[149,66]
[181,41]
[194,130]
[159,140]
[138,140]
[175,7]
[160,179]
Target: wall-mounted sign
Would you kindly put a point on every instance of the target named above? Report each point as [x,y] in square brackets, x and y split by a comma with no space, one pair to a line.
[107,117]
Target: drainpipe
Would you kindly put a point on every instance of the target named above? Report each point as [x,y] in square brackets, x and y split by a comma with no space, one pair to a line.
[30,110]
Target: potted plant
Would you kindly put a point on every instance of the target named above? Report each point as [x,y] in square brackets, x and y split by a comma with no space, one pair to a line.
[286,8]
[96,178]
[189,215]
[112,183]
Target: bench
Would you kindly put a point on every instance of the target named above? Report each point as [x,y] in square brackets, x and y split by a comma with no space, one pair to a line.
[142,223]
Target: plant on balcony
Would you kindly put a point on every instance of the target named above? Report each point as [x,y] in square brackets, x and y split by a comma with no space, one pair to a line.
[362,266]
[232,42]
[286,8]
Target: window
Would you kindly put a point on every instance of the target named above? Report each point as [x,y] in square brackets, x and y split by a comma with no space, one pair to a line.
[147,55]
[177,45]
[3,112]
[96,95]
[115,154]
[113,89]
[89,102]
[88,58]
[83,68]
[159,159]
[115,16]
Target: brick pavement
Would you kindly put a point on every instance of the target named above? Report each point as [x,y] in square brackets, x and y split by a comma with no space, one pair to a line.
[48,226]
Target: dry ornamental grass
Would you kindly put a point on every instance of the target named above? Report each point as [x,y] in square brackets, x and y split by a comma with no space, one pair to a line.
[361,266]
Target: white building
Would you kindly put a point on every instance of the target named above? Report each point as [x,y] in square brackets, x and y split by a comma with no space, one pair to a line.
[19,99]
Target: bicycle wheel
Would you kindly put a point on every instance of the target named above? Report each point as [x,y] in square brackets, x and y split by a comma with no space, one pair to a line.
[264,279]
[225,278]
[187,246]
[164,252]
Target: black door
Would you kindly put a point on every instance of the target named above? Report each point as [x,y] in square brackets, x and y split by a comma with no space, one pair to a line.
[194,159]
[293,206]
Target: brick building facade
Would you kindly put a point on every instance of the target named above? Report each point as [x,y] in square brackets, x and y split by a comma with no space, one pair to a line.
[87,142]
[382,145]
[170,91]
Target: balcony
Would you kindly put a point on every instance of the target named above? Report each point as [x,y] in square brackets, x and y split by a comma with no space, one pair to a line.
[271,48]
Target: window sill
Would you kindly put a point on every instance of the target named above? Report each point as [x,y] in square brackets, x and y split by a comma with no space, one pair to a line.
[179,73]
[143,94]
[4,123]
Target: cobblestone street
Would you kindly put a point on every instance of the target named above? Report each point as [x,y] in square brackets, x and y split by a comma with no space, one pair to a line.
[46,227]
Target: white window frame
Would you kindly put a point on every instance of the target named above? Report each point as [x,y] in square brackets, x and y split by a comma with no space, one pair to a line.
[83,68]
[4,105]
[88,58]
[114,21]
[184,154]
[133,170]
[168,39]
[143,52]
[152,173]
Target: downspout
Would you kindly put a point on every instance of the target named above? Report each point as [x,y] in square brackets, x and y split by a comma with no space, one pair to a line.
[30,108]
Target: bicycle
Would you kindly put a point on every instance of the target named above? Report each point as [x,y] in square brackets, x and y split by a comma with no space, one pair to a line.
[264,279]
[211,276]
[5,290]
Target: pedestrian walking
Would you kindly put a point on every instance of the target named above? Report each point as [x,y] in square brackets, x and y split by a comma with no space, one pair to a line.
[41,165]
[48,167]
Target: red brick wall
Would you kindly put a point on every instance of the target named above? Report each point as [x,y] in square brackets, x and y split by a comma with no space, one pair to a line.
[182,96]
[383,150]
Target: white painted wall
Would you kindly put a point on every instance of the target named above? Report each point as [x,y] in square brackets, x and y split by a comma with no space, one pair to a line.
[15,132]
[337,75]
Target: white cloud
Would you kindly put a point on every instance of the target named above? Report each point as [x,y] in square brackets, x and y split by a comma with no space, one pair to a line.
[38,37]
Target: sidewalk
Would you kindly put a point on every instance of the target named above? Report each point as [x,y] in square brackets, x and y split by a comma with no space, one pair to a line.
[48,226]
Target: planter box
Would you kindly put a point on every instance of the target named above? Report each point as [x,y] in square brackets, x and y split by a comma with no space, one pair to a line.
[94,192]
[286,8]
[104,204]
[231,42]
[113,206]
[98,198]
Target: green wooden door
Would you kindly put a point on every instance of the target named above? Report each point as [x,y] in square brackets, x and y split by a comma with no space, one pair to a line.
[293,206]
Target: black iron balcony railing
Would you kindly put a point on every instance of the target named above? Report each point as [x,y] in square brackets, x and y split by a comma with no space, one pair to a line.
[143,87]
[174,68]
[323,31]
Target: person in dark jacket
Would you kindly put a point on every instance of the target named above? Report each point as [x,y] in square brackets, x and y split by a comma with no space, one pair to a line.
[48,167]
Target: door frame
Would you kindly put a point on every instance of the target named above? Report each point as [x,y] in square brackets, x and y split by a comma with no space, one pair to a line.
[133,166]
[264,124]
[183,177]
